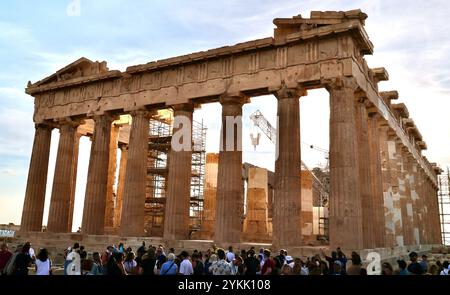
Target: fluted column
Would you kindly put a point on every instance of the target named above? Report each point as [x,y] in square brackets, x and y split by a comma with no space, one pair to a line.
[408,220]
[364,163]
[132,220]
[112,166]
[436,216]
[414,199]
[74,179]
[345,229]
[422,206]
[96,187]
[176,225]
[121,182]
[33,207]
[229,198]
[58,216]
[376,180]
[383,130]
[286,218]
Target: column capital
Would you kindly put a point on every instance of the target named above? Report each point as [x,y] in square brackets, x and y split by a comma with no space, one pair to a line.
[290,92]
[68,123]
[185,107]
[45,126]
[106,116]
[237,98]
[141,113]
[340,83]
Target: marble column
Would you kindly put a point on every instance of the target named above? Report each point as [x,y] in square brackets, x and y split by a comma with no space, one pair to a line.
[422,206]
[408,219]
[436,216]
[346,219]
[229,198]
[376,180]
[112,167]
[58,216]
[96,187]
[389,212]
[176,223]
[286,216]
[132,219]
[414,199]
[121,182]
[364,163]
[33,207]
[74,179]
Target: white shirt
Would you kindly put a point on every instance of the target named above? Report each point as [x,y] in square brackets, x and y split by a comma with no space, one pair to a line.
[31,253]
[186,267]
[230,256]
[444,272]
[42,268]
[74,268]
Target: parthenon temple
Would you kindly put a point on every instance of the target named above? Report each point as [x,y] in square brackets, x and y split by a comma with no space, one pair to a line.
[382,189]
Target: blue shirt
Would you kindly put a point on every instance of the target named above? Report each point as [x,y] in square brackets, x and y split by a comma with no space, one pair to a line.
[169,268]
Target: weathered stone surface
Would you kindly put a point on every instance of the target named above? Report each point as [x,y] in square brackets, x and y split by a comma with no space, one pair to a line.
[33,207]
[176,225]
[346,222]
[132,217]
[229,200]
[58,217]
[97,183]
[286,218]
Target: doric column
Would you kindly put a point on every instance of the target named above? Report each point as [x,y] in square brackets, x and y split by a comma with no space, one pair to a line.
[345,229]
[132,219]
[414,199]
[364,163]
[121,182]
[112,167]
[33,207]
[395,167]
[74,179]
[407,207]
[436,216]
[58,216]
[176,225]
[376,180]
[95,199]
[229,199]
[286,218]
[422,206]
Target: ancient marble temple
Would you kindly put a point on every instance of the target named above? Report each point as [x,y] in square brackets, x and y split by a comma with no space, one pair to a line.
[383,191]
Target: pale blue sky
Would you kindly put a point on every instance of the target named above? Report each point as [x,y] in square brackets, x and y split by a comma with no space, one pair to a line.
[38,37]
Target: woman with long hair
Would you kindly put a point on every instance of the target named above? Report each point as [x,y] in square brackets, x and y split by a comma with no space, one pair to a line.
[43,263]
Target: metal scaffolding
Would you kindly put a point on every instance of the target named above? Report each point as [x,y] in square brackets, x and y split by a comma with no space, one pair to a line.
[444,205]
[160,136]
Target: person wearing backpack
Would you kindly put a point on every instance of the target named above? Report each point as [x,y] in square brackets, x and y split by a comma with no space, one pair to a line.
[169,267]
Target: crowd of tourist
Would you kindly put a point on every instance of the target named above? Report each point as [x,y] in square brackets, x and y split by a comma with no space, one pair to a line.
[156,260]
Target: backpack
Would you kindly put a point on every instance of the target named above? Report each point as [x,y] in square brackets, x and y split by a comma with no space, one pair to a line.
[10,266]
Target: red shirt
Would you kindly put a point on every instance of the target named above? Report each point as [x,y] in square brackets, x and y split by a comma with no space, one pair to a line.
[4,258]
[269,263]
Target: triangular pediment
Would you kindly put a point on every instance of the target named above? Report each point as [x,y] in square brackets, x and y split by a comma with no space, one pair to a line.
[82,67]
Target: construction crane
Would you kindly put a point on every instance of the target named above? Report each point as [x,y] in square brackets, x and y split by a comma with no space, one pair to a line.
[264,125]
